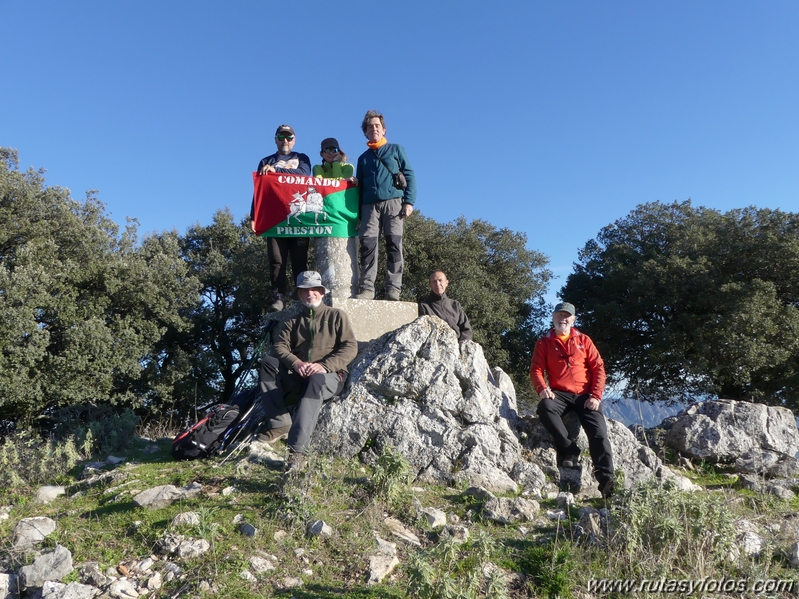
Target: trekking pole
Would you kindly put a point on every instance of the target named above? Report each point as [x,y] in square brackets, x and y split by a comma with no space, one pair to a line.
[270,324]
[244,420]
[238,449]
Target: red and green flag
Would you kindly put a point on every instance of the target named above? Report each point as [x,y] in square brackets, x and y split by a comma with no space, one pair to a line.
[304,206]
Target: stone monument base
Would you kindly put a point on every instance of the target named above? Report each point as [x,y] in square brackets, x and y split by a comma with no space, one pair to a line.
[372,318]
[337,262]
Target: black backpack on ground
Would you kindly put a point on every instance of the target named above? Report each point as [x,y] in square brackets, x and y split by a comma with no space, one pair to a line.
[203,438]
[222,425]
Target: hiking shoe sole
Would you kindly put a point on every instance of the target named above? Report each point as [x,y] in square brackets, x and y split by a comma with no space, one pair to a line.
[296,462]
[572,462]
[273,435]
[606,488]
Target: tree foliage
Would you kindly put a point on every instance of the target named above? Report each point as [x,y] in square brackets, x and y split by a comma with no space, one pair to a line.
[492,273]
[81,303]
[683,300]
[233,268]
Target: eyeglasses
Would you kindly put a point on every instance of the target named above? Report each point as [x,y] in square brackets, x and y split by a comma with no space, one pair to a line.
[285,136]
[330,150]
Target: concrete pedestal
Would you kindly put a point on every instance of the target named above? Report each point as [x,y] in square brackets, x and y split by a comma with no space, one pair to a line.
[372,318]
[337,262]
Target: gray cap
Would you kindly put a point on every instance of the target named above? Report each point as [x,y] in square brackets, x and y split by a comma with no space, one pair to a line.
[310,279]
[565,307]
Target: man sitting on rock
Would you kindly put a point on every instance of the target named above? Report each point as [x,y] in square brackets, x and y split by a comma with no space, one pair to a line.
[569,375]
[313,352]
[448,310]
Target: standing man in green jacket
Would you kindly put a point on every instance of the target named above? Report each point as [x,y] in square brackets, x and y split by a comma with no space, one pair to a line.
[313,353]
[383,206]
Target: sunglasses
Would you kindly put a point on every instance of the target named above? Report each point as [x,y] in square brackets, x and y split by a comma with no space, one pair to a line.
[285,136]
[330,150]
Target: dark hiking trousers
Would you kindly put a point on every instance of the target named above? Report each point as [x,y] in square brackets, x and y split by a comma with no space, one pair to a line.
[550,411]
[381,216]
[277,382]
[281,249]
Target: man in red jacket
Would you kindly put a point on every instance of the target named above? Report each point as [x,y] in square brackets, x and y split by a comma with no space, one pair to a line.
[569,375]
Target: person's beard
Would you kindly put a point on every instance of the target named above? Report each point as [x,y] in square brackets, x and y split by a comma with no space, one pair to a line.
[310,304]
[561,328]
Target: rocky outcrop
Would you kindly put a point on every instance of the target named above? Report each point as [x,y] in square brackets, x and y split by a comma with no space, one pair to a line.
[455,420]
[725,430]
[435,401]
[769,464]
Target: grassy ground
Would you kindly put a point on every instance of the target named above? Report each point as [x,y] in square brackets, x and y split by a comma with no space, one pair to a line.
[651,533]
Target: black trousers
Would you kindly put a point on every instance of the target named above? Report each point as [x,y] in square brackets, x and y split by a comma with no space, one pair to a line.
[551,412]
[281,249]
[277,382]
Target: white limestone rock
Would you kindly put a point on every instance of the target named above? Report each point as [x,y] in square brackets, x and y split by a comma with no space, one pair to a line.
[53,565]
[30,531]
[507,510]
[399,530]
[48,493]
[432,399]
[724,430]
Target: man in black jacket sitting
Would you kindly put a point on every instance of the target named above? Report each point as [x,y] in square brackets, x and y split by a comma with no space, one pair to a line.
[448,310]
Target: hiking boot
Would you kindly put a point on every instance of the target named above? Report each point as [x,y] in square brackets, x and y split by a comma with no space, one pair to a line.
[296,462]
[365,294]
[393,295]
[277,305]
[606,488]
[273,435]
[570,461]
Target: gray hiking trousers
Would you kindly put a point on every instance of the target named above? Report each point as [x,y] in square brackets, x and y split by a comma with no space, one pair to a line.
[381,216]
[277,382]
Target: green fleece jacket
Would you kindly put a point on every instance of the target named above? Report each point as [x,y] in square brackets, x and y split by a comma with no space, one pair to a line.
[334,170]
[322,335]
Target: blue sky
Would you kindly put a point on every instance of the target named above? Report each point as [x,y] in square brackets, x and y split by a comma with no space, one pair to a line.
[551,118]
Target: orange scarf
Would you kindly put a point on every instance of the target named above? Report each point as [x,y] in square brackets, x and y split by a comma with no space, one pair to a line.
[377,144]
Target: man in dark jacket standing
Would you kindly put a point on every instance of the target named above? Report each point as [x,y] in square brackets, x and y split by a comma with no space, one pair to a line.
[383,206]
[569,375]
[448,310]
[313,352]
[285,160]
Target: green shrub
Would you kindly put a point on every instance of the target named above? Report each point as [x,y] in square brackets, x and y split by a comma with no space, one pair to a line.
[660,529]
[392,475]
[27,459]
[97,429]
[44,454]
[549,570]
[453,570]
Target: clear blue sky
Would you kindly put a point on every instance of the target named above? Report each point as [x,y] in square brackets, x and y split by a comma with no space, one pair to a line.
[553,118]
